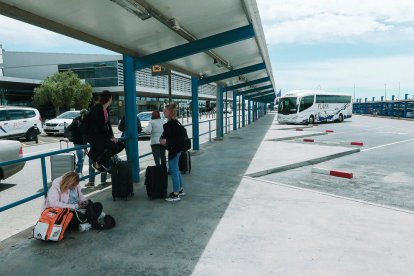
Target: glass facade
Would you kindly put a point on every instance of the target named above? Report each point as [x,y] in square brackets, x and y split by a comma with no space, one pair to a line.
[97,74]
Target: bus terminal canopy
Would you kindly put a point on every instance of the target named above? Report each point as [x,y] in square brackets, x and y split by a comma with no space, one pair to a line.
[214,40]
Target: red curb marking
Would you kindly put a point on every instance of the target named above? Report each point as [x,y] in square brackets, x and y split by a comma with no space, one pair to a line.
[308,140]
[357,144]
[341,174]
[299,129]
[329,130]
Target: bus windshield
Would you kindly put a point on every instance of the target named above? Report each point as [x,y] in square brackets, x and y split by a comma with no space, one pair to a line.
[287,105]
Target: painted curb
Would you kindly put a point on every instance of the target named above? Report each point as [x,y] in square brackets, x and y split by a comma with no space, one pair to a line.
[301,164]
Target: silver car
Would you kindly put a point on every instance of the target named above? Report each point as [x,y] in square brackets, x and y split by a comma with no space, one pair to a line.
[10,150]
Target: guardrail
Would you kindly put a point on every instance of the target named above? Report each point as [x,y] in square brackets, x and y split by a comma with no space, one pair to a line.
[43,156]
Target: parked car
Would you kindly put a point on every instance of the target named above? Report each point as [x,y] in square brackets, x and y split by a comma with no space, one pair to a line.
[10,150]
[145,117]
[58,124]
[18,122]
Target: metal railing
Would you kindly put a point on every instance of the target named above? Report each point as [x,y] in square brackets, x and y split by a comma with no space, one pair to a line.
[43,156]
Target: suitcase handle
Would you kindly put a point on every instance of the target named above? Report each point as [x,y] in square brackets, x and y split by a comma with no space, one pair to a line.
[63,140]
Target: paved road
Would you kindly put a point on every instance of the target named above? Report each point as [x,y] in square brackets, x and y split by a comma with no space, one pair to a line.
[383,170]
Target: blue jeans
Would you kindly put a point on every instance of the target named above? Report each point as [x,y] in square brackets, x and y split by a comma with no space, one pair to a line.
[92,171]
[80,157]
[176,177]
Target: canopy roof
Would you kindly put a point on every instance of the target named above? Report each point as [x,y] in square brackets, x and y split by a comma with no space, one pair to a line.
[148,31]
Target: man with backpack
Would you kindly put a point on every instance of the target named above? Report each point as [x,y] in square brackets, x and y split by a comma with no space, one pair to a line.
[76,133]
[121,126]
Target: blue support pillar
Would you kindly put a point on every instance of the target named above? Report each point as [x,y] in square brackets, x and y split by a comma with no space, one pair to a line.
[366,106]
[243,112]
[249,111]
[131,115]
[392,106]
[372,105]
[234,111]
[405,105]
[381,105]
[194,107]
[219,111]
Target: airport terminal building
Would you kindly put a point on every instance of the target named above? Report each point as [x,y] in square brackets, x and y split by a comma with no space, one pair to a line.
[21,72]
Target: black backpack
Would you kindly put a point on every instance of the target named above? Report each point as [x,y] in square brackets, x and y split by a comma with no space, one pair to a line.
[68,133]
[84,126]
[185,141]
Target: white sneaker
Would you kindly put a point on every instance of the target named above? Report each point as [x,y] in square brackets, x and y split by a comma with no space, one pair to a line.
[101,218]
[83,227]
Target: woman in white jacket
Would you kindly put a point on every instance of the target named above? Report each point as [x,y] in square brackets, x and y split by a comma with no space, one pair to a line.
[155,128]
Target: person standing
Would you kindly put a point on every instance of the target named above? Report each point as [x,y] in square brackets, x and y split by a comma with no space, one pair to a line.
[172,139]
[101,137]
[155,128]
[91,183]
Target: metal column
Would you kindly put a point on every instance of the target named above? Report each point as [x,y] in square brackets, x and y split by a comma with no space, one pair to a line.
[243,112]
[405,105]
[234,111]
[219,111]
[249,107]
[131,115]
[194,107]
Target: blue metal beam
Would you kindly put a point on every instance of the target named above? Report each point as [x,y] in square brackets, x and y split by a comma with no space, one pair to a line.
[195,47]
[194,109]
[249,107]
[233,73]
[261,88]
[131,116]
[243,111]
[241,85]
[261,94]
[234,111]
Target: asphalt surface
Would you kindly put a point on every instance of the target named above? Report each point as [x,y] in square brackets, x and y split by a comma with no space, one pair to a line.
[382,172]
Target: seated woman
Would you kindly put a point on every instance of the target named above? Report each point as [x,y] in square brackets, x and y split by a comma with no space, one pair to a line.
[66,193]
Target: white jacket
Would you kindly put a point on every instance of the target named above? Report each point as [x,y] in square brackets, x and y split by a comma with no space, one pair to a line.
[155,128]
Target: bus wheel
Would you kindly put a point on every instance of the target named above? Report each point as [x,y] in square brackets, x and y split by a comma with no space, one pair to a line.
[341,118]
[311,119]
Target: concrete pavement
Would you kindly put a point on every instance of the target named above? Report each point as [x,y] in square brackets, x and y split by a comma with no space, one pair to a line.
[230,224]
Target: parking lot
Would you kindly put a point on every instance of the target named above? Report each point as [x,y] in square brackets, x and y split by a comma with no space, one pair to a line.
[382,171]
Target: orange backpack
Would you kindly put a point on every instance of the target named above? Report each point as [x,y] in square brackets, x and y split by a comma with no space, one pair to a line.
[52,224]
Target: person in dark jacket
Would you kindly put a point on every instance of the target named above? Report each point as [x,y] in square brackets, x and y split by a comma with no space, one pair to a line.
[101,137]
[79,139]
[172,139]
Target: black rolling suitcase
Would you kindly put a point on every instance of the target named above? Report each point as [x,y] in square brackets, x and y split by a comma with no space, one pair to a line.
[156,182]
[185,162]
[121,177]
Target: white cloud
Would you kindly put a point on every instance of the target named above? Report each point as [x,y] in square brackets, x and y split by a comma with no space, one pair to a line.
[368,74]
[18,35]
[298,21]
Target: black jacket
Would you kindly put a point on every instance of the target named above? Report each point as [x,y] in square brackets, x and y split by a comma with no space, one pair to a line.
[98,129]
[172,133]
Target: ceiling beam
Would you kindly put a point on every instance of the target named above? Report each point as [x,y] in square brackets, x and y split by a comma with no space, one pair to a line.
[195,47]
[241,85]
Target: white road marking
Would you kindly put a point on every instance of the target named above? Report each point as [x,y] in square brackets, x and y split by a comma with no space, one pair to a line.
[390,144]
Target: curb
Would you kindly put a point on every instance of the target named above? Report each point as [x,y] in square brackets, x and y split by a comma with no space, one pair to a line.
[297,136]
[333,173]
[301,164]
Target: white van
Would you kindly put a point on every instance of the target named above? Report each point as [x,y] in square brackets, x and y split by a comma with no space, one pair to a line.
[17,122]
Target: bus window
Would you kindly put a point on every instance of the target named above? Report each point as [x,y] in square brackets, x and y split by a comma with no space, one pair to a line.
[306,102]
[287,105]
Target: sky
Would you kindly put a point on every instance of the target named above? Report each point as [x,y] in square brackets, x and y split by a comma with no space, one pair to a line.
[334,45]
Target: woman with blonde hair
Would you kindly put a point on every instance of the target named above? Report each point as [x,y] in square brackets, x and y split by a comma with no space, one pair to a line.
[65,192]
[172,139]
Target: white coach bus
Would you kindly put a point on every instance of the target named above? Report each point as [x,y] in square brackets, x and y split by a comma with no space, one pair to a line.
[308,107]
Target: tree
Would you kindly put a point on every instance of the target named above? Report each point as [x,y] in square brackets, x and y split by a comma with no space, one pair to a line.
[63,90]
